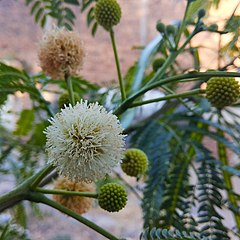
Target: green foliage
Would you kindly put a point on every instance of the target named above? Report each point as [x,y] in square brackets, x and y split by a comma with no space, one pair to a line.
[157,233]
[13,80]
[62,12]
[10,230]
[209,195]
[232,26]
[56,9]
[159,153]
[87,5]
[173,207]
[25,122]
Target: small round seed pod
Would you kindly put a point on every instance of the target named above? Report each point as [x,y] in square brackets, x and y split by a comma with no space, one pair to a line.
[201,13]
[135,162]
[170,29]
[213,27]
[107,13]
[222,91]
[160,27]
[112,197]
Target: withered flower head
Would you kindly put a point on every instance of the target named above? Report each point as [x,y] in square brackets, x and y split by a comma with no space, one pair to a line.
[61,53]
[77,204]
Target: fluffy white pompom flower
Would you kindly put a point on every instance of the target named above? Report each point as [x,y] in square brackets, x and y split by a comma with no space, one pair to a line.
[84,142]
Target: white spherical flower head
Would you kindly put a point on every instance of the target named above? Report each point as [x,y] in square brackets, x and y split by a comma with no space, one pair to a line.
[84,142]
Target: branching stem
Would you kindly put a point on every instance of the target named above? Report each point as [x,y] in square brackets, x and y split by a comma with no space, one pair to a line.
[40,198]
[194,76]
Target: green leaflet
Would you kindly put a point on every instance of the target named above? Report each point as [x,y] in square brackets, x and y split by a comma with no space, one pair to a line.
[13,80]
[56,9]
[157,233]
[38,137]
[25,122]
[153,139]
[210,183]
[196,6]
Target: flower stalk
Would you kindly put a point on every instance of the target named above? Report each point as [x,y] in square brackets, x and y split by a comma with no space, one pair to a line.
[40,198]
[121,83]
[172,96]
[40,175]
[67,193]
[68,80]
[194,76]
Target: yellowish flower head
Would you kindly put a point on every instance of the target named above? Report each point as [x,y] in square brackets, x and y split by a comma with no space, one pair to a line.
[77,204]
[84,142]
[61,53]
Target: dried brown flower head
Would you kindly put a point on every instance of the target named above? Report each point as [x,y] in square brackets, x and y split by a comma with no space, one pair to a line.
[61,53]
[77,204]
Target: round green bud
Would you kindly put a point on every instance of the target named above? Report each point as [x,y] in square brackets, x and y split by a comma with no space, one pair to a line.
[213,27]
[170,29]
[157,64]
[112,197]
[107,13]
[222,91]
[201,13]
[64,99]
[135,162]
[160,27]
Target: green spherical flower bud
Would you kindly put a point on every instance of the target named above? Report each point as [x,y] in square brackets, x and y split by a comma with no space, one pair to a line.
[157,64]
[64,99]
[201,13]
[112,197]
[213,27]
[107,13]
[135,162]
[160,27]
[222,91]
[170,29]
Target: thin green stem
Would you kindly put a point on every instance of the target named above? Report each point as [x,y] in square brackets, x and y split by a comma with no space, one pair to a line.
[40,175]
[183,23]
[194,76]
[64,192]
[164,67]
[122,88]
[170,91]
[172,56]
[172,96]
[12,198]
[70,89]
[129,186]
[40,198]
[4,232]
[19,194]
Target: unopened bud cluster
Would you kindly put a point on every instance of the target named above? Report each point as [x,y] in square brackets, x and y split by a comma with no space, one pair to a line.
[112,197]
[222,91]
[107,13]
[135,162]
